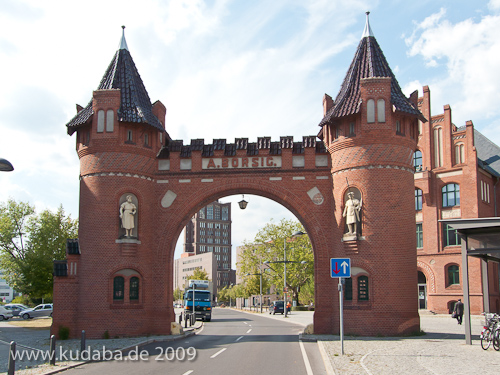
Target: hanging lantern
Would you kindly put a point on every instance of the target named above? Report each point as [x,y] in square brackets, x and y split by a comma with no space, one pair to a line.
[243,203]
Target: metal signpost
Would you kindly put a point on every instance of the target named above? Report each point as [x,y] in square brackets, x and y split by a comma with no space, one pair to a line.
[341,268]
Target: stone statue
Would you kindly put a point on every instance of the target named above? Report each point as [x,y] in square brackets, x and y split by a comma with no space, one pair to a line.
[351,213]
[127,214]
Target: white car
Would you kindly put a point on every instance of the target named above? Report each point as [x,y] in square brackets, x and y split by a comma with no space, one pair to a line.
[45,309]
[5,314]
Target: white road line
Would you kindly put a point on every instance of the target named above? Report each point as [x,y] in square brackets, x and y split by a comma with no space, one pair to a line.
[239,338]
[250,330]
[188,372]
[306,360]
[245,322]
[216,354]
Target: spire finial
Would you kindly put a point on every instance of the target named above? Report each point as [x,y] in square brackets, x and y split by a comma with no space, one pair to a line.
[123,42]
[368,30]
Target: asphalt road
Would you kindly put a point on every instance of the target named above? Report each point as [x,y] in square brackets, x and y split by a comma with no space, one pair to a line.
[233,342]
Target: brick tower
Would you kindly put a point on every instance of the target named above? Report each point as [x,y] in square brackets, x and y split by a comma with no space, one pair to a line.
[370,131]
[119,134]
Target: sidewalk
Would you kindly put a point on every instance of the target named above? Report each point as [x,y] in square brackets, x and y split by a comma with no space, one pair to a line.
[441,350]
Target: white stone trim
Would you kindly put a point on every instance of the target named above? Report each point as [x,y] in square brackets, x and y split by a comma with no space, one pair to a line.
[449,174]
[185,181]
[378,166]
[298,178]
[275,178]
[322,177]
[207,180]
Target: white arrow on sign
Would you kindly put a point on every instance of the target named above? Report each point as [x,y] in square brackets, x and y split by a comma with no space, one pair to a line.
[344,265]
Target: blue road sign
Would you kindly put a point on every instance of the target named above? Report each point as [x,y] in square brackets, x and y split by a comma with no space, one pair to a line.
[340,267]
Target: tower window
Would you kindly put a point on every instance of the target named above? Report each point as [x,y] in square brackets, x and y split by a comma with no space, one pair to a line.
[118,288]
[129,136]
[146,140]
[417,160]
[100,121]
[370,110]
[381,110]
[110,120]
[420,236]
[418,200]
[352,129]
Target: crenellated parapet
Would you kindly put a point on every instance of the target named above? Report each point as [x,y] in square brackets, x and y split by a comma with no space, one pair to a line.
[265,153]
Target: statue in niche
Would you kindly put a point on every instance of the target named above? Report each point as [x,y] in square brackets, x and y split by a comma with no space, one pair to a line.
[351,214]
[127,215]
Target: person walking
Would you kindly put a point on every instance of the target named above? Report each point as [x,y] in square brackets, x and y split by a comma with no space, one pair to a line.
[459,311]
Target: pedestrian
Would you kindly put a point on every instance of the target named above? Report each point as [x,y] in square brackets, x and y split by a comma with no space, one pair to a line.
[288,307]
[458,311]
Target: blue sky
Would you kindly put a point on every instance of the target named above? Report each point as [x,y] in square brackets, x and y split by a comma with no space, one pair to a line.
[225,69]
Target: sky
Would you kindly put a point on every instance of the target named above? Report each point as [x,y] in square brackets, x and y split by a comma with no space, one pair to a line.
[225,69]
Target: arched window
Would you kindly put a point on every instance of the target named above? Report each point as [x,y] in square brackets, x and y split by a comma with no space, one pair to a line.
[129,136]
[451,195]
[370,110]
[460,153]
[110,120]
[118,288]
[100,121]
[438,147]
[417,160]
[453,275]
[134,288]
[450,236]
[381,110]
[418,200]
[420,236]
[363,288]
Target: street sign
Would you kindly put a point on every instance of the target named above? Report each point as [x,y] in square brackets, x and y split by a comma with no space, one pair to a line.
[340,267]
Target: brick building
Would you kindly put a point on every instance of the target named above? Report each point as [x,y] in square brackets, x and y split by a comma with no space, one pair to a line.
[456,174]
[209,231]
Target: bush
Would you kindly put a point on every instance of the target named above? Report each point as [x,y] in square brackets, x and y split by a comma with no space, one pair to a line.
[106,335]
[300,308]
[23,300]
[63,333]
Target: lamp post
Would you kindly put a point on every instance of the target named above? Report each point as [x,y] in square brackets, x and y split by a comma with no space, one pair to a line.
[284,261]
[230,297]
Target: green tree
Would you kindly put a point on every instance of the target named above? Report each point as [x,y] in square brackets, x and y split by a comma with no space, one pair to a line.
[199,274]
[178,294]
[29,243]
[269,245]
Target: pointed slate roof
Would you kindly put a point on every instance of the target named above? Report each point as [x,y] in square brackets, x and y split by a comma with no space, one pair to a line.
[135,103]
[369,62]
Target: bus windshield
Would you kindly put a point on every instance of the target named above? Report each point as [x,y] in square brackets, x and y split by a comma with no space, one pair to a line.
[200,296]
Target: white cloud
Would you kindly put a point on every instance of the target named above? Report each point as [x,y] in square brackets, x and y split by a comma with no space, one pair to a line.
[469,51]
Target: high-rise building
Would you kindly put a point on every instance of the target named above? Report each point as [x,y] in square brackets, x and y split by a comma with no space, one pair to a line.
[209,231]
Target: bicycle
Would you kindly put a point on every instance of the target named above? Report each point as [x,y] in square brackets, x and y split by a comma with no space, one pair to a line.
[491,331]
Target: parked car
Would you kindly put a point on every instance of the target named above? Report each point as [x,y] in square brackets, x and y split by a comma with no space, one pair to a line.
[5,314]
[15,308]
[277,307]
[45,309]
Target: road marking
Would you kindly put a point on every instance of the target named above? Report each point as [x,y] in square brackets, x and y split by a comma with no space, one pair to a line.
[306,360]
[239,338]
[250,330]
[216,354]
[245,322]
[188,372]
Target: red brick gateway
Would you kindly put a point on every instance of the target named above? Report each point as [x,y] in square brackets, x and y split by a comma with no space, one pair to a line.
[130,167]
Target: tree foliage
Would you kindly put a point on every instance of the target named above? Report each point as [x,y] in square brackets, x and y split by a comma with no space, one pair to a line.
[198,274]
[269,245]
[29,243]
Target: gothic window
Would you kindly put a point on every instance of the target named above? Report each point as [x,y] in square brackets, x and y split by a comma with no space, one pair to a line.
[118,288]
[438,147]
[418,200]
[417,160]
[451,195]
[381,110]
[100,121]
[460,153]
[370,110]
[110,120]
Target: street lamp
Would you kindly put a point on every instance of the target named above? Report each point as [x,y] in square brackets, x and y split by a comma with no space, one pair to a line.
[243,203]
[284,261]
[255,274]
[230,297]
[5,165]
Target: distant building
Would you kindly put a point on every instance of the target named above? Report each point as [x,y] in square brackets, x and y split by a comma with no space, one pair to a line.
[209,232]
[6,292]
[185,266]
[457,170]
